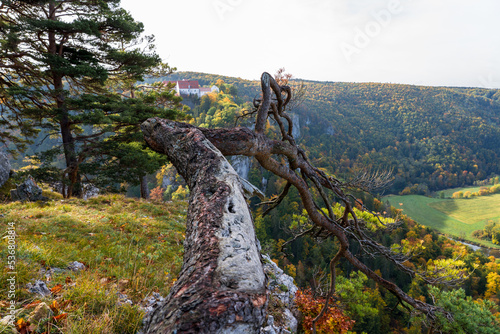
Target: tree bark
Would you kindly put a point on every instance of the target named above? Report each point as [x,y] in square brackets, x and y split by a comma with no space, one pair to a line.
[74,187]
[144,187]
[185,145]
[222,286]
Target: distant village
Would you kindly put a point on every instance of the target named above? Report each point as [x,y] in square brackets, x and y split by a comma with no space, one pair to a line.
[191,87]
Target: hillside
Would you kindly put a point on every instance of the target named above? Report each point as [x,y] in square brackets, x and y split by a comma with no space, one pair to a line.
[102,261]
[431,137]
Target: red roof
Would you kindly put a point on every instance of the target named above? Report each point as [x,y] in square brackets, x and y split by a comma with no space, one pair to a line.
[188,84]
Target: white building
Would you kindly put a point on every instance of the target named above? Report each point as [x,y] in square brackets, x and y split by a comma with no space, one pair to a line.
[192,87]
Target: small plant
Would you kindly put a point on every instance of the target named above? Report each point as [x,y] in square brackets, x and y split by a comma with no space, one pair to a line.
[283,287]
[156,194]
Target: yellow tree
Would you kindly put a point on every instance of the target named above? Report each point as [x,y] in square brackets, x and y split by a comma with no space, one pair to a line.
[492,285]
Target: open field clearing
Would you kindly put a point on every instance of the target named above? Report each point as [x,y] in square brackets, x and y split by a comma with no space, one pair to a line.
[456,217]
[471,211]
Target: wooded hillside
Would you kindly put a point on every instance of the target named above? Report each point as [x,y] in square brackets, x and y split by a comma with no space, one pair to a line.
[432,137]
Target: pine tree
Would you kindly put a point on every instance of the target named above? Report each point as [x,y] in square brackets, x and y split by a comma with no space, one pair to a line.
[58,61]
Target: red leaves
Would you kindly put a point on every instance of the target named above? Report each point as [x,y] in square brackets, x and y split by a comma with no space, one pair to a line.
[32,304]
[60,316]
[333,321]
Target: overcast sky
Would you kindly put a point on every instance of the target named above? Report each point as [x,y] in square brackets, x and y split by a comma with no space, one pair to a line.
[423,42]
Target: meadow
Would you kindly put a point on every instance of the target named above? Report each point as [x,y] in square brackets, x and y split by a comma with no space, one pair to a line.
[130,250]
[455,217]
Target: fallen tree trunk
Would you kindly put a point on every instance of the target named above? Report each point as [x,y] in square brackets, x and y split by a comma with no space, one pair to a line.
[222,286]
[197,154]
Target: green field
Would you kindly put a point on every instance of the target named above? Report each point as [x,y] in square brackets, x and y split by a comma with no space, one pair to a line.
[456,217]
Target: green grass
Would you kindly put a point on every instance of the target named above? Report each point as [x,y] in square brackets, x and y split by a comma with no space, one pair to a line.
[456,217]
[471,211]
[130,246]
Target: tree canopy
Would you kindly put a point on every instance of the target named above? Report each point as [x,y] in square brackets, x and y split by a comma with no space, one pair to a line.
[60,63]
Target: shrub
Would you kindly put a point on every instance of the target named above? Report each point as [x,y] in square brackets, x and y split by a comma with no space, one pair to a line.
[333,321]
[156,194]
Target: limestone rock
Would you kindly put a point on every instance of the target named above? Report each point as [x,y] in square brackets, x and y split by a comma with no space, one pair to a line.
[4,168]
[7,324]
[283,289]
[283,285]
[296,127]
[39,287]
[76,266]
[27,191]
[152,302]
[90,191]
[41,312]
[6,327]
[123,299]
[241,165]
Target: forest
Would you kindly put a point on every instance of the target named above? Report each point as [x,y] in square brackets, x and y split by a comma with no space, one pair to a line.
[432,138]
[363,306]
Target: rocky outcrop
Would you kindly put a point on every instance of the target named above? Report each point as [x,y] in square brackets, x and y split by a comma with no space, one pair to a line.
[241,165]
[4,168]
[40,288]
[27,191]
[296,126]
[41,313]
[90,191]
[282,309]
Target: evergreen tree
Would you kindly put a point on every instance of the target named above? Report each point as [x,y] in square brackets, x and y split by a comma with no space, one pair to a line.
[58,59]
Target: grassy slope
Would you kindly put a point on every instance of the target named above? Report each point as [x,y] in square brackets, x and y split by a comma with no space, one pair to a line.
[456,217]
[471,211]
[129,246]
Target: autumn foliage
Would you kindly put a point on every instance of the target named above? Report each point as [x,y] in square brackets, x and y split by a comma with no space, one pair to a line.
[333,320]
[156,194]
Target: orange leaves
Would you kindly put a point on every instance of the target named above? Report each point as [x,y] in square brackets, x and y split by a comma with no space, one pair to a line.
[60,317]
[22,326]
[33,304]
[56,289]
[54,306]
[156,194]
[333,321]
